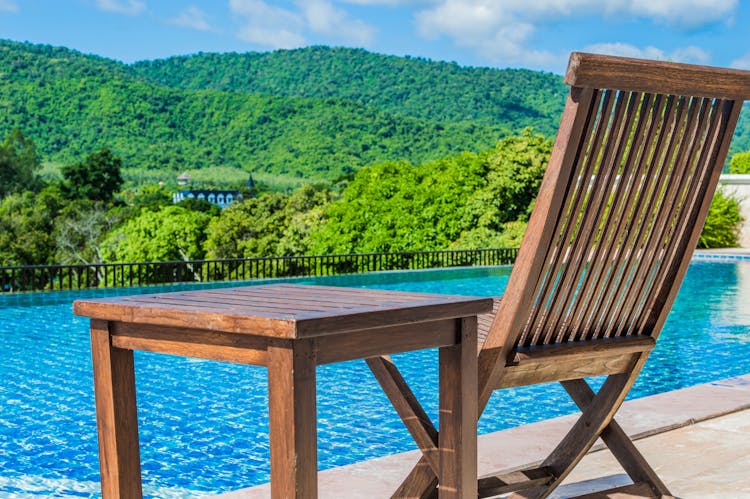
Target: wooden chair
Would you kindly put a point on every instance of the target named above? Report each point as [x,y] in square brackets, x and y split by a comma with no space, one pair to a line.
[635,164]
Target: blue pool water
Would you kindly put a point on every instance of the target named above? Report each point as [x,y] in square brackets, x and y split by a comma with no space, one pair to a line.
[204,424]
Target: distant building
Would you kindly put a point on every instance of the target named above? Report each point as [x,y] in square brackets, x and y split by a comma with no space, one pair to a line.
[222,199]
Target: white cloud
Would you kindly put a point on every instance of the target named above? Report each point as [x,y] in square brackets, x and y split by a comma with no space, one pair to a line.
[325,19]
[278,27]
[503,31]
[8,6]
[689,54]
[382,2]
[267,25]
[683,13]
[742,62]
[192,17]
[492,30]
[129,7]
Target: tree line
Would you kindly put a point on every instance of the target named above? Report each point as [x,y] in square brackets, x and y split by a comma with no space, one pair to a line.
[464,201]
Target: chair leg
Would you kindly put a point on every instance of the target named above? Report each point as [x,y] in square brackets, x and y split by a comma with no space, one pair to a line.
[586,430]
[422,482]
[618,442]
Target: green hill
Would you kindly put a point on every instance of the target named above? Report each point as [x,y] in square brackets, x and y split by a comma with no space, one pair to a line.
[438,91]
[71,104]
[313,114]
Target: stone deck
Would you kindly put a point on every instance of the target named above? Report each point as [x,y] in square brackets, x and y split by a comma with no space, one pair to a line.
[697,438]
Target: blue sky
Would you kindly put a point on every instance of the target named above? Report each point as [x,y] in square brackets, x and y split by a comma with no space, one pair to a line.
[536,34]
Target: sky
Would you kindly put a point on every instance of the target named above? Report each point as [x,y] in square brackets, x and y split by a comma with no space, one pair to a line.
[534,34]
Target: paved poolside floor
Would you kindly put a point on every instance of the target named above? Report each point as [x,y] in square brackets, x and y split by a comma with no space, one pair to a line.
[697,439]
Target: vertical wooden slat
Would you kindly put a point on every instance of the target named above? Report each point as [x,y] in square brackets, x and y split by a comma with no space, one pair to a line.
[595,275]
[713,156]
[667,220]
[660,174]
[116,416]
[518,296]
[583,227]
[292,420]
[615,226]
[666,203]
[650,173]
[596,249]
[598,120]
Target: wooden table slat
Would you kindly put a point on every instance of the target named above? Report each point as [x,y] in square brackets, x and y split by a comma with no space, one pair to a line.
[283,311]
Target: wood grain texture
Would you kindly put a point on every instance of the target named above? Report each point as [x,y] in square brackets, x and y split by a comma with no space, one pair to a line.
[116,416]
[514,481]
[618,442]
[282,310]
[292,421]
[558,368]
[372,343]
[212,345]
[408,409]
[458,415]
[639,75]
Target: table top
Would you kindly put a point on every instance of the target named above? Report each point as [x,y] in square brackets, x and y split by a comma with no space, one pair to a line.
[291,311]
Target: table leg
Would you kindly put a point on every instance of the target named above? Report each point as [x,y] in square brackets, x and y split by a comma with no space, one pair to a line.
[457,438]
[116,416]
[292,420]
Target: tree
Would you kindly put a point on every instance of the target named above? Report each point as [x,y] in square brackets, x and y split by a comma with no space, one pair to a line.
[26,227]
[19,164]
[469,200]
[79,231]
[272,224]
[171,233]
[96,178]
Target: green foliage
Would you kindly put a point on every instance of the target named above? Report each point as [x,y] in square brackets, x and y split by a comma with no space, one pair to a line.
[200,205]
[19,164]
[405,86]
[740,163]
[26,227]
[723,223]
[741,139]
[294,116]
[272,224]
[150,197]
[461,201]
[72,104]
[171,233]
[96,178]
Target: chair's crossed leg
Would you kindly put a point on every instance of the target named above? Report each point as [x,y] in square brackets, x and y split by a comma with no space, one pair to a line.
[597,420]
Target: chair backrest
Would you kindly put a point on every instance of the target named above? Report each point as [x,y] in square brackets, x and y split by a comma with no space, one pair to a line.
[636,161]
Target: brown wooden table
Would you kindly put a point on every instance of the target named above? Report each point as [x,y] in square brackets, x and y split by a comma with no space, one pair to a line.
[290,329]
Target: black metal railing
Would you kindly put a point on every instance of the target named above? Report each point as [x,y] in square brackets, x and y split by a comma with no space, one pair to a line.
[121,275]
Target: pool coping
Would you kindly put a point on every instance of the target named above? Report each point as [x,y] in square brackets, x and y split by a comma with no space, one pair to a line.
[721,254]
[529,444]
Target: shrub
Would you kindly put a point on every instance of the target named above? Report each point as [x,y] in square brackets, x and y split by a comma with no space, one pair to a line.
[723,223]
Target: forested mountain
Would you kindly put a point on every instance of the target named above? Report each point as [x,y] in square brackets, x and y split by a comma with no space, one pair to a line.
[406,86]
[71,104]
[312,114]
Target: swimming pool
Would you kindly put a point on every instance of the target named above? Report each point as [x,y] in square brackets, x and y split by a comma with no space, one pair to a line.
[204,425]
